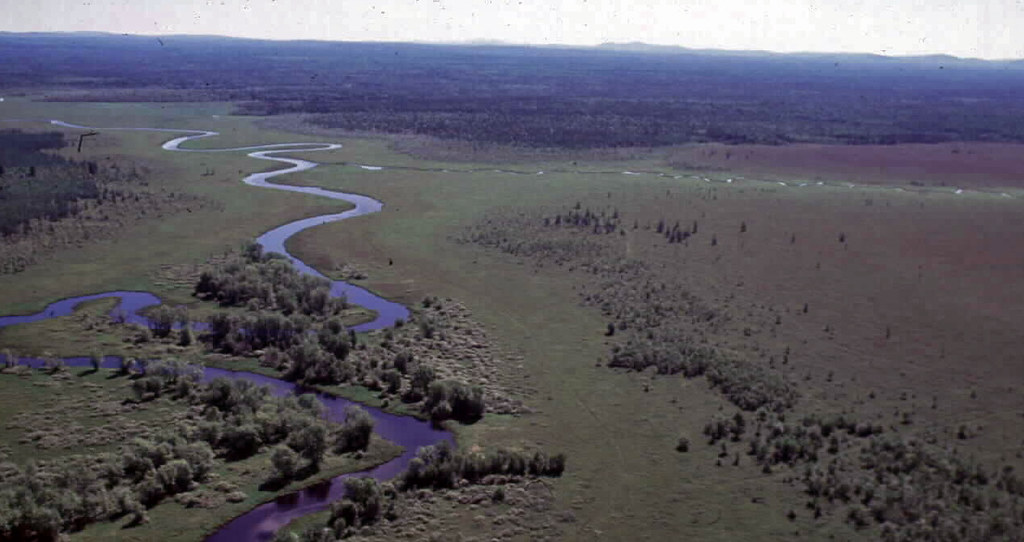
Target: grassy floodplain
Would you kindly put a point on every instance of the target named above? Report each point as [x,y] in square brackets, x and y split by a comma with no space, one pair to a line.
[938,269]
[133,260]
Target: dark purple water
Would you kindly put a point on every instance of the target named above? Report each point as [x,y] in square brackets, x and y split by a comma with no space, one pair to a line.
[410,433]
[125,311]
[262,522]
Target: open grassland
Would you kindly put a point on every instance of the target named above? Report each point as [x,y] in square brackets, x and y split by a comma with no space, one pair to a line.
[132,259]
[910,316]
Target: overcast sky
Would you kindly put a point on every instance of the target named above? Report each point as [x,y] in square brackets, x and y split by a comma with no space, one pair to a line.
[975,28]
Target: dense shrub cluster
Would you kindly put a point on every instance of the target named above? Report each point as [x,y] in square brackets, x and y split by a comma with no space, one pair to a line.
[441,466]
[910,489]
[366,501]
[24,149]
[313,346]
[48,202]
[38,503]
[45,193]
[455,400]
[228,419]
[38,187]
[268,281]
[726,427]
[597,223]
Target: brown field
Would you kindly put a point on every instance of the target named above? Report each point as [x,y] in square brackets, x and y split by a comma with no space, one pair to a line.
[941,271]
[975,165]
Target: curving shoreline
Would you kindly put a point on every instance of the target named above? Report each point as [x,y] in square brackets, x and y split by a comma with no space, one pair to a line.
[263,521]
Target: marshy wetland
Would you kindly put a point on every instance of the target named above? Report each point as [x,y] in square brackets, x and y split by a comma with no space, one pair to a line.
[429,323]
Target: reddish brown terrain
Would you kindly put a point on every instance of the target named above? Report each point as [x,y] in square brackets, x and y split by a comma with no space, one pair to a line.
[976,165]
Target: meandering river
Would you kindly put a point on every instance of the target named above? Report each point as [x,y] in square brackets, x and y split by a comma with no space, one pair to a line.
[261,522]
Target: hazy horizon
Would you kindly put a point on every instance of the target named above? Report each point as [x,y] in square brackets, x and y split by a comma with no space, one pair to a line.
[982,29]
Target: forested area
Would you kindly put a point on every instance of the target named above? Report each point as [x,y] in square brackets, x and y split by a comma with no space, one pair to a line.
[542,97]
[25,149]
[37,184]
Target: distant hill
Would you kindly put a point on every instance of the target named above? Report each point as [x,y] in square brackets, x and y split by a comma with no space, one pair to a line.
[611,95]
[933,60]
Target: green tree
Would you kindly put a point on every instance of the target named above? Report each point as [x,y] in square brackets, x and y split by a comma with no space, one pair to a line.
[162,321]
[285,462]
[310,442]
[355,433]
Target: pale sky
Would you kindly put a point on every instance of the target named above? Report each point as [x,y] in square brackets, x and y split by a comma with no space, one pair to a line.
[970,28]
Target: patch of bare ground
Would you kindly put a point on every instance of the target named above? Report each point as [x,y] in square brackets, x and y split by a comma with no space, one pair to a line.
[445,337]
[962,164]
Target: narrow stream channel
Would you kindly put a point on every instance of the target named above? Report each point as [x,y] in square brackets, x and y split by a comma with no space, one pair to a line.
[263,521]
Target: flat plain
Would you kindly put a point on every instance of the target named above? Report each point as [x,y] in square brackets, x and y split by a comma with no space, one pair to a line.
[891,297]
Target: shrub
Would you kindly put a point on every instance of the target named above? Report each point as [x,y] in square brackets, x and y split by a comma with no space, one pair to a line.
[240,441]
[310,442]
[285,462]
[356,432]
[161,321]
[683,445]
[393,379]
[452,399]
[175,476]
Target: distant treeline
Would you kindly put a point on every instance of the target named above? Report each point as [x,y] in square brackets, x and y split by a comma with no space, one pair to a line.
[542,97]
[22,149]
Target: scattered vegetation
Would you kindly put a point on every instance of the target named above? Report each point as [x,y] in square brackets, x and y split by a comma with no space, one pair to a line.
[861,472]
[656,320]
